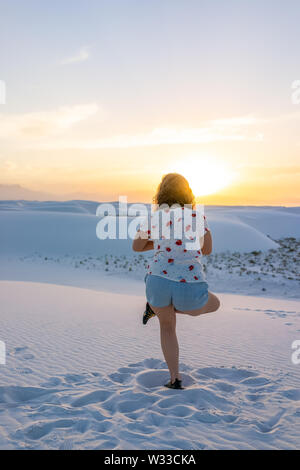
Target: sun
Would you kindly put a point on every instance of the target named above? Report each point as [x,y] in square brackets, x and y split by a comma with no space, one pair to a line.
[205,175]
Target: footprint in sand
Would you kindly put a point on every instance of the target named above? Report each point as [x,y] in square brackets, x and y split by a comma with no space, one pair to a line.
[52,382]
[156,378]
[271,424]
[120,377]
[38,430]
[135,403]
[24,370]
[130,407]
[97,396]
[271,313]
[75,378]
[16,394]
[22,353]
[230,374]
[292,394]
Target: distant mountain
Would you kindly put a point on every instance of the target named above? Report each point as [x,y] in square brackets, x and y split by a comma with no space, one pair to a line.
[15,191]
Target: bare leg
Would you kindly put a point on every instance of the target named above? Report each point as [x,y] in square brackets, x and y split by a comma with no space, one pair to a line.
[211,305]
[168,338]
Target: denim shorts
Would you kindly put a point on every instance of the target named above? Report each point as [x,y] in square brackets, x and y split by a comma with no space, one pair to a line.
[161,292]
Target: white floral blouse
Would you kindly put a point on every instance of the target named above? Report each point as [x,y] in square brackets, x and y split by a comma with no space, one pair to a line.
[178,237]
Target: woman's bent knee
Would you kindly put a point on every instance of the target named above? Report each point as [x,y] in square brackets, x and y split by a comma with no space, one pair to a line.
[212,305]
[215,304]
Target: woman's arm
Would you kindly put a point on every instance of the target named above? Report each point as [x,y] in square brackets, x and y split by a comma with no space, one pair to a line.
[207,245]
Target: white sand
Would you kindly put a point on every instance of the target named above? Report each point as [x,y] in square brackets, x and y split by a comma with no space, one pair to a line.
[83,372]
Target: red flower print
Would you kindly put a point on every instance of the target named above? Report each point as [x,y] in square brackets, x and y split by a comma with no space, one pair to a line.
[196,278]
[199,252]
[168,249]
[170,260]
[182,280]
[187,228]
[169,223]
[178,242]
[149,231]
[165,272]
[204,217]
[206,229]
[193,214]
[191,267]
[184,251]
[158,247]
[155,261]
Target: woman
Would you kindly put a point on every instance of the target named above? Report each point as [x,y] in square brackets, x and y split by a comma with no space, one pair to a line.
[175,282]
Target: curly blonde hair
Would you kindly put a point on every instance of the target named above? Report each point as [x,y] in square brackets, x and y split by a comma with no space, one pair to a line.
[174,189]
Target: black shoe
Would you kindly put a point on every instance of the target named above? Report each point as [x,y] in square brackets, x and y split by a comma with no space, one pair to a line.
[176,385]
[148,313]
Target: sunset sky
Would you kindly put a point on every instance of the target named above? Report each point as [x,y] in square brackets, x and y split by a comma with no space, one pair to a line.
[103,97]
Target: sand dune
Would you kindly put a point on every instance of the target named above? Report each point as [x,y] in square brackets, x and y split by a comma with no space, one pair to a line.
[28,227]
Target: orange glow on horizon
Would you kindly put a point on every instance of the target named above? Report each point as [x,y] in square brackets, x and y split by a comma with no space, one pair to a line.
[206,176]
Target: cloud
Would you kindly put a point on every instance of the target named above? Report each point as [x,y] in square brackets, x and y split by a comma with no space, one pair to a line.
[82,55]
[247,128]
[235,129]
[170,136]
[44,123]
[251,121]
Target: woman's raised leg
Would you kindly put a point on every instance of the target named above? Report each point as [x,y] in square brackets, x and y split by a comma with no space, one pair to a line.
[168,338]
[211,305]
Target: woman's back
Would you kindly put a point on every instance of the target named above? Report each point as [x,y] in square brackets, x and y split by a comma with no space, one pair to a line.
[177,234]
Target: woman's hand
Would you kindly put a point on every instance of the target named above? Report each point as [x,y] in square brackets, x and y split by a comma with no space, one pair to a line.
[142,244]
